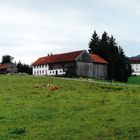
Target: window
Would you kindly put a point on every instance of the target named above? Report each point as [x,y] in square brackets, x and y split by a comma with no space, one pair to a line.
[42,71]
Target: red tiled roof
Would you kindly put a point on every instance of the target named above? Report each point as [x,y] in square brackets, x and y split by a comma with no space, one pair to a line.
[98,59]
[4,66]
[135,60]
[65,57]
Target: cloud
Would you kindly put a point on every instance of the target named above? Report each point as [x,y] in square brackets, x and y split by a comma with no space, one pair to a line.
[33,28]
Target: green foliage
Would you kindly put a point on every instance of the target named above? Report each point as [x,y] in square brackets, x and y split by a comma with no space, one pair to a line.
[24,68]
[77,111]
[94,42]
[119,68]
[17,131]
[7,59]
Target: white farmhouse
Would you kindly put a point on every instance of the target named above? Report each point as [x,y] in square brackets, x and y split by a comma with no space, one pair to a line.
[135,63]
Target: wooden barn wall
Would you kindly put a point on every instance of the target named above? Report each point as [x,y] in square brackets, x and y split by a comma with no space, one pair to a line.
[12,68]
[85,69]
[100,70]
[84,57]
[84,65]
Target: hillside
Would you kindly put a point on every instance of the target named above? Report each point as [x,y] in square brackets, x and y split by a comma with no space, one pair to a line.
[76,111]
[138,56]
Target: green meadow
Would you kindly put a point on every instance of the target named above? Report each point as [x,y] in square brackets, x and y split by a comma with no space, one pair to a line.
[134,80]
[78,110]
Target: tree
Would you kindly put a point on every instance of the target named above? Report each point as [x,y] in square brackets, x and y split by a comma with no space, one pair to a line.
[24,68]
[119,67]
[94,42]
[7,59]
[125,66]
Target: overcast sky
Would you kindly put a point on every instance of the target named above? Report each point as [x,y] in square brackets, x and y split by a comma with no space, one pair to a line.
[33,28]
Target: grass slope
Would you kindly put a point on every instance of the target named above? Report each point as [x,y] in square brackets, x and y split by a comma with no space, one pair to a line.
[134,80]
[78,111]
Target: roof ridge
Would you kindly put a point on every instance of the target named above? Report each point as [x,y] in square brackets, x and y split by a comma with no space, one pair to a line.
[67,52]
[68,56]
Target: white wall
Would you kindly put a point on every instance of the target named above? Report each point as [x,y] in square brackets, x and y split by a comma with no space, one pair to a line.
[44,70]
[56,72]
[136,69]
[40,70]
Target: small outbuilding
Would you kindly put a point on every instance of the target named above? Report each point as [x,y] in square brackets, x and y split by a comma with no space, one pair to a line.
[8,68]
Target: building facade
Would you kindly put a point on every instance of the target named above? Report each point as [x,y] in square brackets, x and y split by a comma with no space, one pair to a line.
[100,66]
[78,63]
[135,63]
[8,68]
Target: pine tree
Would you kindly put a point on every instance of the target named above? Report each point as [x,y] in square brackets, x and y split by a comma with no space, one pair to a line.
[94,43]
[24,68]
[119,67]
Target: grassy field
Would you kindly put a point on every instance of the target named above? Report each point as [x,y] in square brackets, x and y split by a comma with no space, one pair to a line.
[77,111]
[134,80]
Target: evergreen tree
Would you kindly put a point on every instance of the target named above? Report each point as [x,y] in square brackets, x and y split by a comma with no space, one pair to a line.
[119,67]
[94,42]
[24,68]
[125,66]
[103,46]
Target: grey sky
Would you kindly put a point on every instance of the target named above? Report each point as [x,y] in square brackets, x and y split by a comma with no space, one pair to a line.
[33,28]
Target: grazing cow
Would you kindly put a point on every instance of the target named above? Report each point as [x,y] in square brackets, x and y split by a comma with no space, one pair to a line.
[52,87]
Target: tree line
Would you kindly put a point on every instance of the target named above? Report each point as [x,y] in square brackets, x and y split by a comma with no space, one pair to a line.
[21,67]
[119,67]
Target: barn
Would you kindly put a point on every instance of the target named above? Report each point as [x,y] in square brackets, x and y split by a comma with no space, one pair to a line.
[8,68]
[77,63]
